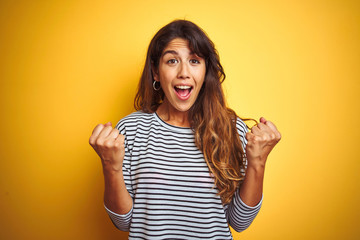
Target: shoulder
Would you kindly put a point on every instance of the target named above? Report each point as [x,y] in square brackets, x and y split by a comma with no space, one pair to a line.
[241,127]
[134,119]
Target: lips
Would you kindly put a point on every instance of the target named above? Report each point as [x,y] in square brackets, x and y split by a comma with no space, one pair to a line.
[183,91]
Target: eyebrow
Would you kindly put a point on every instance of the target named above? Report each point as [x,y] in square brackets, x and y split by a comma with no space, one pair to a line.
[170,51]
[173,52]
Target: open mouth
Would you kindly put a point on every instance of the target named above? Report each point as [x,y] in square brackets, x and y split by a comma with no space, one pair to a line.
[183,91]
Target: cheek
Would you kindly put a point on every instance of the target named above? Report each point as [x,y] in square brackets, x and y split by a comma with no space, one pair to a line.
[166,77]
[201,75]
[200,78]
[166,84]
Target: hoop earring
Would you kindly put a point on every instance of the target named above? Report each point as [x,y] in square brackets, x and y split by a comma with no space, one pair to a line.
[154,86]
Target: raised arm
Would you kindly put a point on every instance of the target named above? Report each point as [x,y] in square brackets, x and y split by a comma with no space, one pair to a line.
[247,201]
[109,145]
[260,141]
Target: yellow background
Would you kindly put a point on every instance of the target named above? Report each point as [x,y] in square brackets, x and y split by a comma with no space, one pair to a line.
[68,65]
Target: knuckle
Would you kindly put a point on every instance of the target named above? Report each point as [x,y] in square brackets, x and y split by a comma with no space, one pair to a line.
[99,142]
[122,140]
[272,136]
[256,139]
[108,144]
[118,145]
[91,142]
[99,126]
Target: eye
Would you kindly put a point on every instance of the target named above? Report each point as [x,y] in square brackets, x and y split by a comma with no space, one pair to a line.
[194,61]
[172,61]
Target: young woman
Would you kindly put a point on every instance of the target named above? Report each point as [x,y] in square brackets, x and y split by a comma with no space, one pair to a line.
[184,166]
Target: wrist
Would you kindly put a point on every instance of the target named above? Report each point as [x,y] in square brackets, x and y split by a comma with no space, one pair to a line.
[112,179]
[256,162]
[110,172]
[109,168]
[257,168]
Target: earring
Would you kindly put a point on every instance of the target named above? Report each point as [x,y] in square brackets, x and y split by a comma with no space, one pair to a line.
[154,86]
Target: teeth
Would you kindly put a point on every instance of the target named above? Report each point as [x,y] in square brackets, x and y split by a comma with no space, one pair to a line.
[183,87]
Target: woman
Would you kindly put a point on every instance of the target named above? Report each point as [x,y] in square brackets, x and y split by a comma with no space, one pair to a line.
[177,168]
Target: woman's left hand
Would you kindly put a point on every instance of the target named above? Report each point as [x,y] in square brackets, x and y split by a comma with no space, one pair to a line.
[261,140]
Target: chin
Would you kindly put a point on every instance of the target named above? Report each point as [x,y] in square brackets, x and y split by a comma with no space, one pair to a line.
[183,108]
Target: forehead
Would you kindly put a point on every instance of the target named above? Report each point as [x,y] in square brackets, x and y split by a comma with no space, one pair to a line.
[177,44]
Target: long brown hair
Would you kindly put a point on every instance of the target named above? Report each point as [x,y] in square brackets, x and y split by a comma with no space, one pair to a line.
[213,123]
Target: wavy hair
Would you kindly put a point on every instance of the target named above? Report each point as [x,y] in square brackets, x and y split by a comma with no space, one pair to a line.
[213,123]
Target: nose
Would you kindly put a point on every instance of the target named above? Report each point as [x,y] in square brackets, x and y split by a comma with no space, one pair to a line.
[183,71]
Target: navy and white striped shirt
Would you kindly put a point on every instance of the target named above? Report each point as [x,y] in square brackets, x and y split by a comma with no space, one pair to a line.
[174,196]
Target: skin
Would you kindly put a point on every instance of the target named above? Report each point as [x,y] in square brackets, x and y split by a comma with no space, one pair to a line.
[179,66]
[262,138]
[109,145]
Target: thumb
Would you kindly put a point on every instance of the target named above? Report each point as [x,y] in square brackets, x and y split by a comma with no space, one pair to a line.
[263,120]
[107,124]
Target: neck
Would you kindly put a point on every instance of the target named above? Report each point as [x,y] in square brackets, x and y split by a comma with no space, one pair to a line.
[172,116]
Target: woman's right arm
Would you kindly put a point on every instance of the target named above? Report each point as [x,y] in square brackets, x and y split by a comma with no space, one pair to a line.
[109,145]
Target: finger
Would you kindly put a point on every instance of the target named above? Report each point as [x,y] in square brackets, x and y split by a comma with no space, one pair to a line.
[105,132]
[263,120]
[113,134]
[248,135]
[95,134]
[263,127]
[121,139]
[252,140]
[275,133]
[97,129]
[119,144]
[273,128]
[108,124]
[255,130]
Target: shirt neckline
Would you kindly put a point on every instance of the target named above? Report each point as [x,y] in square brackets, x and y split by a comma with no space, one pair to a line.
[172,127]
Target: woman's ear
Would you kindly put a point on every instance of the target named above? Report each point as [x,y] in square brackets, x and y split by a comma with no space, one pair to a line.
[155,73]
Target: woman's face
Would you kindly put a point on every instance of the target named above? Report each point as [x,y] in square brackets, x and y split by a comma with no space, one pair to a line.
[181,74]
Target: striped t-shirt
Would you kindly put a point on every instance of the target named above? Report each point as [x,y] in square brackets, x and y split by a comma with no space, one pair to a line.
[174,196]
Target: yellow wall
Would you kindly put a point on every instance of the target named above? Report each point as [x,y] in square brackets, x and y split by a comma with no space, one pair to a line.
[68,65]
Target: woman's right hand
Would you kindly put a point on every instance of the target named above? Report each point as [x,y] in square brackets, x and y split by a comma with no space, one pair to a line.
[109,145]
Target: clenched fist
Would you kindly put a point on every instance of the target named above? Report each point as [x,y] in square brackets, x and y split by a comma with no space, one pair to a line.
[109,145]
[261,140]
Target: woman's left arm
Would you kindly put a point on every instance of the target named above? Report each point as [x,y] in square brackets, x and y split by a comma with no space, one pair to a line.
[260,141]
